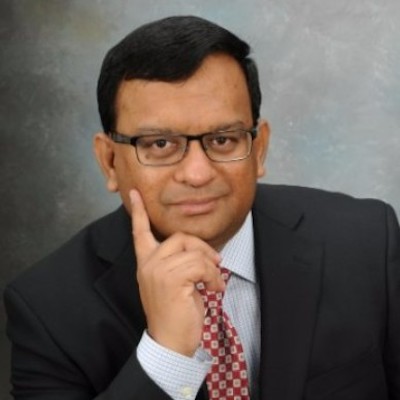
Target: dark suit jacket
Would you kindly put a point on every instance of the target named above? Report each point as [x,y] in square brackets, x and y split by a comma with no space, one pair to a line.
[329,273]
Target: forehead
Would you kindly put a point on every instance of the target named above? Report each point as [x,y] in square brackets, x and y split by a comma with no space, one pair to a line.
[216,93]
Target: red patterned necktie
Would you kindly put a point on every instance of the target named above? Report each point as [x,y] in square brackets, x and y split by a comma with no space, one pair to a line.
[227,378]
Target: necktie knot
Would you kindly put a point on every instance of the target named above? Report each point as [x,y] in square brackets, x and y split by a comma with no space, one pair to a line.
[225,273]
[213,300]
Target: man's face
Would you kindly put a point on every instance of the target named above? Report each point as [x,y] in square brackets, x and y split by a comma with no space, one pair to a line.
[197,196]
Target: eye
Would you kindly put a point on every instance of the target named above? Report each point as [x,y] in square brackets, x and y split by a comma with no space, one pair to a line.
[160,148]
[160,143]
[157,142]
[222,140]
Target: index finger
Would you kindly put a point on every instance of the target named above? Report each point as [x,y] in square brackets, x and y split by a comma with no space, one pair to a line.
[143,238]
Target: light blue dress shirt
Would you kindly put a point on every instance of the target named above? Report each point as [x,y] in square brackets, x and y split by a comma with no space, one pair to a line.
[181,377]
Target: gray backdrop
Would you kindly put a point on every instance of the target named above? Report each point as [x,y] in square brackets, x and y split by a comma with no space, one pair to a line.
[330,73]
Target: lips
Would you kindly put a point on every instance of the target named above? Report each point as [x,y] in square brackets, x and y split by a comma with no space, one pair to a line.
[196,206]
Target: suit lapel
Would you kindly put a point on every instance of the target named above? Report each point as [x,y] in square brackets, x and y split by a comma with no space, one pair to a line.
[117,285]
[289,271]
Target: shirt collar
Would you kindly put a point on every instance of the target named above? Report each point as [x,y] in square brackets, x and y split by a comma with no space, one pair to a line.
[238,253]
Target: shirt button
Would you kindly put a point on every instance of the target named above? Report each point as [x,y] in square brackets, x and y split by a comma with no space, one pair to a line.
[187,392]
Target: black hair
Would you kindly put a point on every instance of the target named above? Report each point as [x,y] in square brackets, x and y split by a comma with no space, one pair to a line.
[170,49]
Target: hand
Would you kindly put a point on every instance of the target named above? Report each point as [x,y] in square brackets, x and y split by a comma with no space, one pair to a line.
[167,273]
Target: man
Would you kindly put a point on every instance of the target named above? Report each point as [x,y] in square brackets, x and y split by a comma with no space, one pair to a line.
[313,289]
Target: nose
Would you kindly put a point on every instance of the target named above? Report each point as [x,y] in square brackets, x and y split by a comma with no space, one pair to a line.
[195,169]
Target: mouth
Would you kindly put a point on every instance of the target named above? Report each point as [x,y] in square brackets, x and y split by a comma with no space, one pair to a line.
[190,207]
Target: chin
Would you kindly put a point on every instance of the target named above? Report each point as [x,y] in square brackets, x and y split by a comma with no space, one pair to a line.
[192,229]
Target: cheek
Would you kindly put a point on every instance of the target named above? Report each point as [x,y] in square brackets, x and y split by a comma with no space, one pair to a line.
[130,173]
[245,176]
[243,181]
[129,176]
[125,173]
[151,184]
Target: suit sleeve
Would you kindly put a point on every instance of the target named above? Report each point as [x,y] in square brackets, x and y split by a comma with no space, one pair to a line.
[392,346]
[41,370]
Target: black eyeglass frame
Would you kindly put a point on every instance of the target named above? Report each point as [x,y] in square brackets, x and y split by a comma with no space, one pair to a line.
[122,138]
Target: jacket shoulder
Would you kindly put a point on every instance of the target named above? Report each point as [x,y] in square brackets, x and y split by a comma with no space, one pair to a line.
[315,208]
[77,257]
[310,198]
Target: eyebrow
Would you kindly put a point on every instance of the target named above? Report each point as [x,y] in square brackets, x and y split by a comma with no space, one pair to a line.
[148,130]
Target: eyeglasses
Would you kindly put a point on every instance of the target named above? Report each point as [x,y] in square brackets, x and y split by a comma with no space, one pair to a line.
[162,149]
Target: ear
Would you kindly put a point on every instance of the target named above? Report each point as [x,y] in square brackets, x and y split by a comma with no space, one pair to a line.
[261,143]
[104,151]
